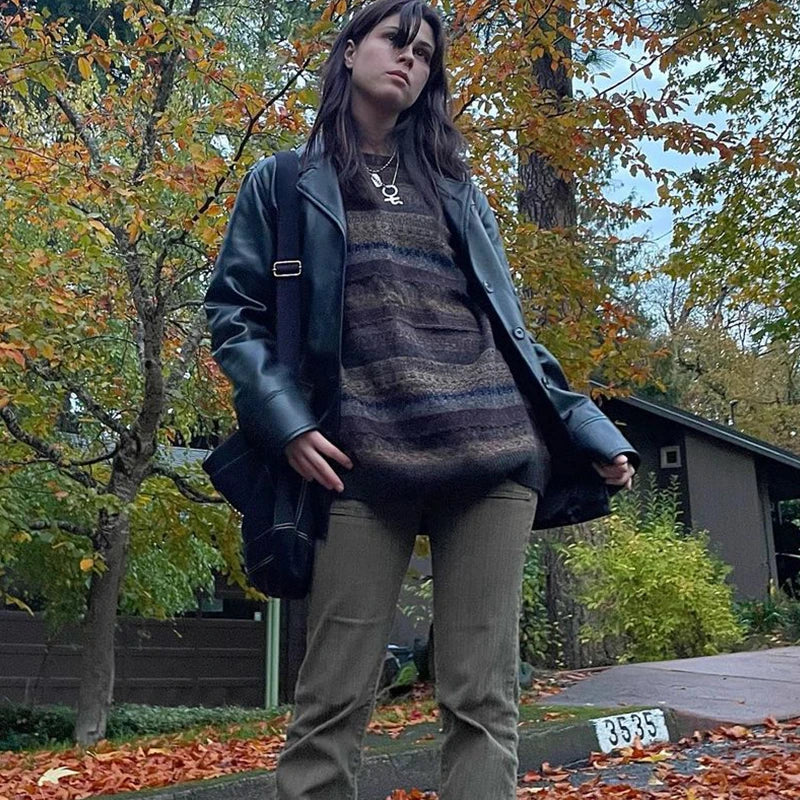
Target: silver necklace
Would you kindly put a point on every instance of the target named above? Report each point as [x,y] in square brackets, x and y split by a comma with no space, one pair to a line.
[381,169]
[390,192]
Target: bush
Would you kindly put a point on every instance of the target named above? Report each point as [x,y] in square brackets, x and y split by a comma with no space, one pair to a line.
[777,616]
[653,583]
[534,626]
[23,728]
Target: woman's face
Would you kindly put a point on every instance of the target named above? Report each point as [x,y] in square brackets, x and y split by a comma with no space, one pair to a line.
[385,76]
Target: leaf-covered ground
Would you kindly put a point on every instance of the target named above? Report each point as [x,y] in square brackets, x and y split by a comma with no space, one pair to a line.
[211,752]
[734,763]
[731,763]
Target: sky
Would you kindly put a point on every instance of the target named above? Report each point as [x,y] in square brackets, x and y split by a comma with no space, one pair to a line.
[658,229]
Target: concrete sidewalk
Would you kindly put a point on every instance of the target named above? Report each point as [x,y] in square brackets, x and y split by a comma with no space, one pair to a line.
[738,688]
[695,694]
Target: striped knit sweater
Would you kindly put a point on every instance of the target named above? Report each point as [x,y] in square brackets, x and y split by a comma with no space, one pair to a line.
[428,403]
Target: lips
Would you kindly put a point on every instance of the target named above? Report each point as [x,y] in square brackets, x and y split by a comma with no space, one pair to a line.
[400,74]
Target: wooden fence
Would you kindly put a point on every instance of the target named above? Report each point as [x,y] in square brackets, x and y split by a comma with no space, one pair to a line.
[187,661]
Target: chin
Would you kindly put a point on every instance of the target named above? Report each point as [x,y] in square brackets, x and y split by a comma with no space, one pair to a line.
[391,99]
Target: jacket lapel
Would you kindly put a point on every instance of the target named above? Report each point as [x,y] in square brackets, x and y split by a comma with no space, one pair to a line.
[319,183]
[455,205]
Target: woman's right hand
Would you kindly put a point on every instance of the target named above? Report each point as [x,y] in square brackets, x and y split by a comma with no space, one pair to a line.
[306,454]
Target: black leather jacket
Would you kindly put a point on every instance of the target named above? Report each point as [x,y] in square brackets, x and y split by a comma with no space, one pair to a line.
[273,406]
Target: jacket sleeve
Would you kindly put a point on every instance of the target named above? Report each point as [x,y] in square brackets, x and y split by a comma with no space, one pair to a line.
[589,429]
[240,306]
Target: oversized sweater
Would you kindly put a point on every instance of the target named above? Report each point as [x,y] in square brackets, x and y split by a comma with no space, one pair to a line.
[428,402]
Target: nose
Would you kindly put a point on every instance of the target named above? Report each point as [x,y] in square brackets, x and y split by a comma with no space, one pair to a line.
[406,55]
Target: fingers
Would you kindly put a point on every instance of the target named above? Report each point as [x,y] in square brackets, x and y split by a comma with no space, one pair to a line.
[619,473]
[330,450]
[305,455]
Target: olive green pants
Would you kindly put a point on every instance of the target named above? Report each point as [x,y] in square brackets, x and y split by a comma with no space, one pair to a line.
[478,553]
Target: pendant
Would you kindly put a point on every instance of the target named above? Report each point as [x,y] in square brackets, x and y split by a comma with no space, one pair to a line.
[390,195]
[376,179]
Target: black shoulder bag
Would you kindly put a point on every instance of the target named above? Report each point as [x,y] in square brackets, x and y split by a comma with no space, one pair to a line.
[278,517]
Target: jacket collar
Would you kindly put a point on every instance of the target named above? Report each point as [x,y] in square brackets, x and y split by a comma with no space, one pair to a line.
[318,180]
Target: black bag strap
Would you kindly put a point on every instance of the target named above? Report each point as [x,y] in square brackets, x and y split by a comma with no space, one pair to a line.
[287,267]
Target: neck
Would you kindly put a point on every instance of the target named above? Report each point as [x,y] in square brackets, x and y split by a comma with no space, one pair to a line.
[374,127]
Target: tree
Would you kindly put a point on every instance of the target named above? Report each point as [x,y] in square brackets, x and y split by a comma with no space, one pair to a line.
[716,366]
[119,164]
[522,102]
[736,237]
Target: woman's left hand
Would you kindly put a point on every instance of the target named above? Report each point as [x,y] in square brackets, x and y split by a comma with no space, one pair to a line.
[618,473]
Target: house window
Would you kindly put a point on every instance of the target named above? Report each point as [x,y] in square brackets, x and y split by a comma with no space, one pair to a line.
[670,457]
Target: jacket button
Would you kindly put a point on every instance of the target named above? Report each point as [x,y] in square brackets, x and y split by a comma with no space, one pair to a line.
[488,286]
[519,333]
[546,382]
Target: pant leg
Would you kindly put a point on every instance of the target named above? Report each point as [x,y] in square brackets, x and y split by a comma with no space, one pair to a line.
[478,557]
[358,571]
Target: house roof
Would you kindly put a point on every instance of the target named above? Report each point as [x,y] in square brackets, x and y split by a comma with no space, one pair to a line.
[727,434]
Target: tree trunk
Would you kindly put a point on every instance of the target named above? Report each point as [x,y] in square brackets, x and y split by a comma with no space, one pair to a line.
[130,466]
[548,200]
[545,197]
[97,633]
[566,616]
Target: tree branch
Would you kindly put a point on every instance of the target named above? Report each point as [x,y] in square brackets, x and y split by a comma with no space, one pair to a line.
[184,487]
[69,527]
[188,349]
[92,406]
[185,304]
[80,128]
[248,134]
[48,451]
[169,64]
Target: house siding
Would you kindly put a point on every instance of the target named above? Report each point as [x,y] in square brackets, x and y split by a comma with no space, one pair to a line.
[725,500]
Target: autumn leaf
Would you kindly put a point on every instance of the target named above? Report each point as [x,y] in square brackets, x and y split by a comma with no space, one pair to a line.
[84,67]
[54,775]
[736,732]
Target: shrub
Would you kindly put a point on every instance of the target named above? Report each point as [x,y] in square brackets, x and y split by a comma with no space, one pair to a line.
[534,625]
[777,616]
[23,728]
[653,583]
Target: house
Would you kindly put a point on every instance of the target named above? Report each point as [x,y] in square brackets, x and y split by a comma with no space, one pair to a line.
[732,485]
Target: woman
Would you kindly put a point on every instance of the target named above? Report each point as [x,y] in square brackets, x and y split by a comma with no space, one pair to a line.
[421,405]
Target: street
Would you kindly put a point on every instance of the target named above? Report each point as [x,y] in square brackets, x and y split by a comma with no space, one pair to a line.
[734,762]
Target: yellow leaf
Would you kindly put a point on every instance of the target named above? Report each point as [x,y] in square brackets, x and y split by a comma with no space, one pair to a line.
[133,231]
[15,601]
[661,755]
[53,775]
[86,564]
[84,67]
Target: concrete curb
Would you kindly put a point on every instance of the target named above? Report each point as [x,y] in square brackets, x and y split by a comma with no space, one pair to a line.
[560,744]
